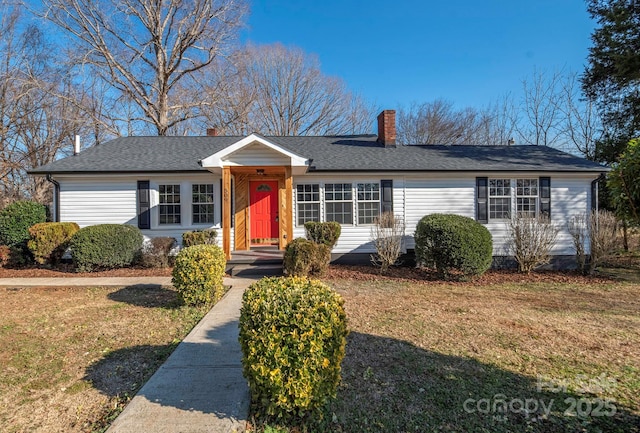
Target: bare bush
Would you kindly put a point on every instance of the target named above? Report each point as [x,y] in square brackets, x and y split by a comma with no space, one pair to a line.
[596,233]
[531,240]
[386,234]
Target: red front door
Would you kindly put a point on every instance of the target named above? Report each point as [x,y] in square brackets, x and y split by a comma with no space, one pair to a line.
[263,212]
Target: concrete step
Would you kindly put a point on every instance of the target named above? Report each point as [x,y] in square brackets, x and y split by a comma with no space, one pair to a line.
[252,271]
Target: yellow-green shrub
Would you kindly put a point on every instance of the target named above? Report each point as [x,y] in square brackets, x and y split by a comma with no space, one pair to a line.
[198,273]
[293,334]
[49,241]
[303,258]
[199,237]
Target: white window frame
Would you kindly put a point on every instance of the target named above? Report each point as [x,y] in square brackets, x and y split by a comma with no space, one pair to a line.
[498,190]
[161,204]
[344,191]
[527,189]
[308,202]
[362,219]
[198,203]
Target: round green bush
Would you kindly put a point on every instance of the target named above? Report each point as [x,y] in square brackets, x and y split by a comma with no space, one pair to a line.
[105,246]
[16,219]
[323,233]
[198,273]
[456,246]
[303,258]
[293,334]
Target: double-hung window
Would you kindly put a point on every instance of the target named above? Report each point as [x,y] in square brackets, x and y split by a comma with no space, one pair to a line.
[499,198]
[368,202]
[527,197]
[202,203]
[308,203]
[338,198]
[169,204]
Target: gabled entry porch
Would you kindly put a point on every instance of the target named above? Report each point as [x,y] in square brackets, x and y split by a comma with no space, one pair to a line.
[257,192]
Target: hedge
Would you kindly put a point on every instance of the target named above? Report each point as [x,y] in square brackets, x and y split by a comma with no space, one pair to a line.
[198,274]
[49,241]
[199,237]
[455,245]
[304,258]
[326,233]
[16,219]
[105,246]
[293,335]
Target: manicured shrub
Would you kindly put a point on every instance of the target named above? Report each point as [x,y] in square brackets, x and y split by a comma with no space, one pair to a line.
[198,273]
[155,252]
[49,241]
[323,233]
[5,254]
[16,219]
[199,237]
[293,334]
[303,258]
[454,245]
[105,246]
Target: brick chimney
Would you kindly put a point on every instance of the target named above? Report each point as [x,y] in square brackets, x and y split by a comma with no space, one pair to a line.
[212,132]
[387,128]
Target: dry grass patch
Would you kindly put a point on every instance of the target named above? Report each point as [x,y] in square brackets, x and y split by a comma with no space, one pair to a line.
[418,351]
[73,357]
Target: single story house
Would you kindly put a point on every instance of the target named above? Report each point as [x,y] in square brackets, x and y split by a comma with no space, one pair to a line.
[259,190]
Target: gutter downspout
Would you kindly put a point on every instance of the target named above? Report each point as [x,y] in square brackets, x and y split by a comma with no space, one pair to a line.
[56,198]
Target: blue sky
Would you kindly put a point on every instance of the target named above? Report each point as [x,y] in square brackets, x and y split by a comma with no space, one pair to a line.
[395,52]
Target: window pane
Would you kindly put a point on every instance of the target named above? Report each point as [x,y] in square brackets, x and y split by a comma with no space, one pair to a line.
[202,203]
[308,203]
[169,204]
[338,203]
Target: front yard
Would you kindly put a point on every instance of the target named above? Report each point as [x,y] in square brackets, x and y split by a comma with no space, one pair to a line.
[72,357]
[559,353]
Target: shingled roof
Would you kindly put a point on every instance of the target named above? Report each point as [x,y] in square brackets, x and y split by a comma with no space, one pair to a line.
[326,154]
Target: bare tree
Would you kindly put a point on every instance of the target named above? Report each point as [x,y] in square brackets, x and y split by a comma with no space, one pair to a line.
[596,233]
[278,90]
[149,50]
[581,125]
[539,123]
[387,236]
[531,239]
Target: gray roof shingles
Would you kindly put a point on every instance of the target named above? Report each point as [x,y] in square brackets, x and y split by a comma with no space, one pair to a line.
[327,153]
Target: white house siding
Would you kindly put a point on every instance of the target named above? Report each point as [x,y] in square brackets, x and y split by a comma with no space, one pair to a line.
[112,199]
[353,238]
[435,193]
[256,155]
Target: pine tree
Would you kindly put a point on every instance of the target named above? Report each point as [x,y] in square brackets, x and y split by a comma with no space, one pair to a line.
[612,76]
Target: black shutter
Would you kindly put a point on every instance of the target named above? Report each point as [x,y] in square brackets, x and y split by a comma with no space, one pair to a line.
[545,196]
[482,200]
[386,187]
[594,194]
[144,205]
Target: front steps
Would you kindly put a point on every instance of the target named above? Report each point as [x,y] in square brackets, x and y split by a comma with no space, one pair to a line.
[257,262]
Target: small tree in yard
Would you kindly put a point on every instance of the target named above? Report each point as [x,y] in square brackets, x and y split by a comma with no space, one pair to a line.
[530,240]
[386,235]
[598,230]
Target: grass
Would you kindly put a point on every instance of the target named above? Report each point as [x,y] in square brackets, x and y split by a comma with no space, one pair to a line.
[466,357]
[73,357]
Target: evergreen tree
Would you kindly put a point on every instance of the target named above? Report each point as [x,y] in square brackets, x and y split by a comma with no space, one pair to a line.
[612,76]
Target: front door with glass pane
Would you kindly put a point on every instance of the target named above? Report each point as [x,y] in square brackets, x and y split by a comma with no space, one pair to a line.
[263,212]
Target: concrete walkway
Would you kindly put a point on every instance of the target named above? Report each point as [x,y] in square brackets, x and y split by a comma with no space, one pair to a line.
[200,387]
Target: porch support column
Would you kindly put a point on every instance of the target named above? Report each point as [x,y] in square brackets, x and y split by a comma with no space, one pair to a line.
[226,211]
[287,209]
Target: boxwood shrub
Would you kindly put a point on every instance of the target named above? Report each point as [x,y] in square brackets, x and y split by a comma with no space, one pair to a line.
[199,237]
[198,274]
[455,245]
[293,334]
[16,219]
[304,258]
[323,233]
[105,246]
[49,241]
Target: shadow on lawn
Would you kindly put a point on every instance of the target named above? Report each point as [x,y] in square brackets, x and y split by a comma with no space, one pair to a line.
[202,375]
[390,385]
[146,295]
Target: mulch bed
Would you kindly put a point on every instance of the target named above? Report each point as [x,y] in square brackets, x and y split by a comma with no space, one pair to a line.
[335,272]
[414,275]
